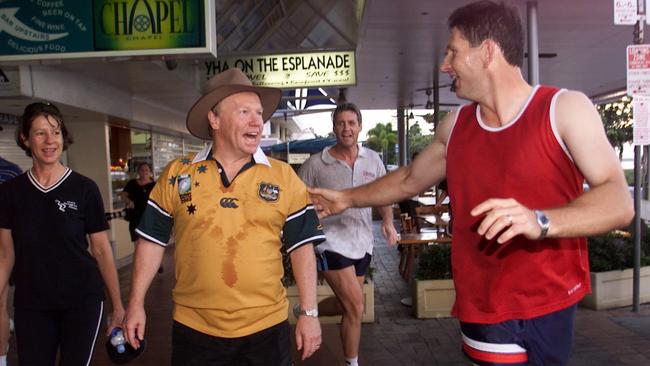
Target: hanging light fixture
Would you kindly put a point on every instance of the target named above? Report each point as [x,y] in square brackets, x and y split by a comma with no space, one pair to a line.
[429,104]
[411,116]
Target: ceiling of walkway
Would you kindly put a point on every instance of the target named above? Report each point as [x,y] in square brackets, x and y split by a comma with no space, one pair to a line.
[398,44]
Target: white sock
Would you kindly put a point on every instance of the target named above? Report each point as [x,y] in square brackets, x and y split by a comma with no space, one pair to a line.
[3,360]
[348,361]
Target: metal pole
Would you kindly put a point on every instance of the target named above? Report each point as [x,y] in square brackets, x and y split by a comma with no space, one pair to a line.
[288,151]
[401,136]
[533,45]
[407,140]
[436,94]
[636,278]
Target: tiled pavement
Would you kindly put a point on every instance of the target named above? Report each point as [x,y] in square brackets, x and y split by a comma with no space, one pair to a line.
[617,337]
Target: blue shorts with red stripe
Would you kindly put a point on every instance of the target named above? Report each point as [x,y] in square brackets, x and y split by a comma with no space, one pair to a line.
[545,340]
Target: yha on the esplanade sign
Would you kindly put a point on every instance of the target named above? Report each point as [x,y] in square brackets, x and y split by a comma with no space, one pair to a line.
[145,24]
[291,70]
[60,29]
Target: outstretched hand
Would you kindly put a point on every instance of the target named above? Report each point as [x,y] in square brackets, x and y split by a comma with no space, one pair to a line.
[508,217]
[327,202]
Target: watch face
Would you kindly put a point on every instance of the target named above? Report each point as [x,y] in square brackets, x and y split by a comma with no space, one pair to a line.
[542,219]
[311,312]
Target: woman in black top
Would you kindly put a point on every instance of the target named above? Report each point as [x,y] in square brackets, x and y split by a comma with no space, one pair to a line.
[45,218]
[135,194]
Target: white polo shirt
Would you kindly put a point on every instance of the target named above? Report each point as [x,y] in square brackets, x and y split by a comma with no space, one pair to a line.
[350,233]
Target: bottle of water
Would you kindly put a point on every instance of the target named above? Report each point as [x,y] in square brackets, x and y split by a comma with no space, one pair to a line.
[117,340]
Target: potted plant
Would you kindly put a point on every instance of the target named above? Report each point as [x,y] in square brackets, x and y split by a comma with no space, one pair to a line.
[433,289]
[323,291]
[611,258]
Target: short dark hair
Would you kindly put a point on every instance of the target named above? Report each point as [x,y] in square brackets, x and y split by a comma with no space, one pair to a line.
[345,107]
[143,163]
[33,111]
[489,20]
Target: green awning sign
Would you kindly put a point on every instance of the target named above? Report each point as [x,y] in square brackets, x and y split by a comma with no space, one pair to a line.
[55,29]
[33,27]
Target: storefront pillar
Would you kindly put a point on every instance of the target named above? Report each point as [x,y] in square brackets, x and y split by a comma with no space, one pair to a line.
[90,155]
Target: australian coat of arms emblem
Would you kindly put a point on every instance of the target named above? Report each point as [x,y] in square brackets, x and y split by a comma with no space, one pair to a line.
[268,192]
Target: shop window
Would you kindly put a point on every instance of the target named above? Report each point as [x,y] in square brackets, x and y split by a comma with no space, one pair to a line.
[165,148]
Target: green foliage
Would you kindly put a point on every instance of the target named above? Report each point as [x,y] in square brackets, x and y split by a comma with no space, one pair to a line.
[617,119]
[417,141]
[615,251]
[434,263]
[629,176]
[382,139]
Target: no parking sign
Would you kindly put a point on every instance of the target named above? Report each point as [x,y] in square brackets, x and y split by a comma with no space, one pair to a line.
[638,86]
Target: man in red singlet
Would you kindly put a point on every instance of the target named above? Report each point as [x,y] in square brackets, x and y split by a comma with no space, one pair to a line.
[515,159]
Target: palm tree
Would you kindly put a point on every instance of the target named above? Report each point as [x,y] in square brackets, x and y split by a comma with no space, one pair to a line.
[382,139]
[417,141]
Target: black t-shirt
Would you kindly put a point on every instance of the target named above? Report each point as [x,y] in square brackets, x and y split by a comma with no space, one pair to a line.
[139,195]
[53,268]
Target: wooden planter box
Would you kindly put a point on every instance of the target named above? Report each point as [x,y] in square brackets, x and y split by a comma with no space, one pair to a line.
[614,289]
[324,291]
[433,298]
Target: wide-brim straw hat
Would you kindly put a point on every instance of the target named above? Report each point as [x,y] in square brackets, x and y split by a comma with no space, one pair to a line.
[220,86]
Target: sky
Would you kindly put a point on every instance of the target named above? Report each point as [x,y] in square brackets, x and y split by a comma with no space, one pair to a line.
[321,123]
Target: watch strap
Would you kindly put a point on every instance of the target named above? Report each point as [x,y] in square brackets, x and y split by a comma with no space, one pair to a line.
[313,313]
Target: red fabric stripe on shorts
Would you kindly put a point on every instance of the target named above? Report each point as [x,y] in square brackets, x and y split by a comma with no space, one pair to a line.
[495,357]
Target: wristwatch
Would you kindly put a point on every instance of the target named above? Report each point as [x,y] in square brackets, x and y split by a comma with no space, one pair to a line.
[544,223]
[309,312]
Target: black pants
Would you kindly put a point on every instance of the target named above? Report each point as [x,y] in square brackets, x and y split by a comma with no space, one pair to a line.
[40,333]
[269,347]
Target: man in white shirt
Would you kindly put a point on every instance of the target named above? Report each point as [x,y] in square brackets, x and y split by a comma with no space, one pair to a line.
[345,256]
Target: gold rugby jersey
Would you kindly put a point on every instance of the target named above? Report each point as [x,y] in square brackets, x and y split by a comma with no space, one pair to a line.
[228,238]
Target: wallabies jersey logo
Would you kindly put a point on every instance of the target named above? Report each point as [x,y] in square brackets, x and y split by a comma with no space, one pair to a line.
[185,187]
[268,192]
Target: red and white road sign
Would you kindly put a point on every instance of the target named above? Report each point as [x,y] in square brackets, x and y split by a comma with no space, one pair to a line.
[638,69]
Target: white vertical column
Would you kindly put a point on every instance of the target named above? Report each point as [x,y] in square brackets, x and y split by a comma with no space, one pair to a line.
[90,155]
[533,43]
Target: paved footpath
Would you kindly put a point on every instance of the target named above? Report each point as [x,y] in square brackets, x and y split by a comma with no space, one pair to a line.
[603,338]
